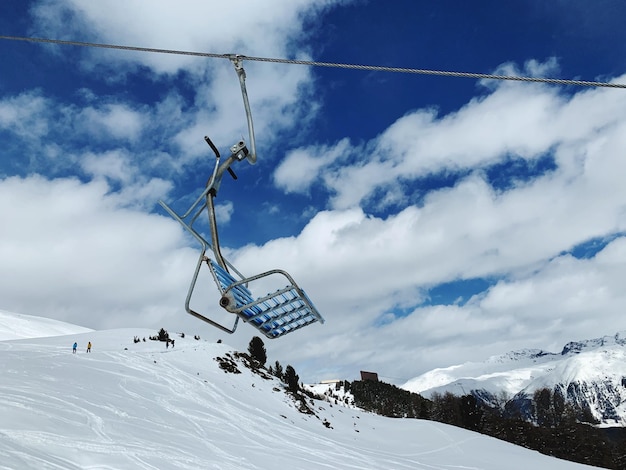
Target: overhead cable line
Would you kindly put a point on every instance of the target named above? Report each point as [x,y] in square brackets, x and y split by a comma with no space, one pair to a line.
[375,68]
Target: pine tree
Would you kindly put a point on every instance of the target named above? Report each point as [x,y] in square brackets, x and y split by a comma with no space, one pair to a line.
[163,335]
[292,379]
[257,351]
[471,414]
[278,370]
[544,413]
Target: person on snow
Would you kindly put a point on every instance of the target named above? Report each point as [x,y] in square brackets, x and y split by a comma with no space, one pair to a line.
[74,346]
[89,347]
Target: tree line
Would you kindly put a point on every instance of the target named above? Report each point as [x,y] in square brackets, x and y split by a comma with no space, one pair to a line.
[552,425]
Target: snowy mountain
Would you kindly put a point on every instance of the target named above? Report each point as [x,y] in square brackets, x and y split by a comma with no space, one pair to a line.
[198,406]
[588,373]
[16,326]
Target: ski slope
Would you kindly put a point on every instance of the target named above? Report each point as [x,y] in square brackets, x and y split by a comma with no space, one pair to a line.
[142,406]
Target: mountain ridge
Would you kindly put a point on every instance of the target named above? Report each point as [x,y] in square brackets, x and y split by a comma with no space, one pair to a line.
[588,373]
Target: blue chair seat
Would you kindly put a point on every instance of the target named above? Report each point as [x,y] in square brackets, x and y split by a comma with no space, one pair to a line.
[275,314]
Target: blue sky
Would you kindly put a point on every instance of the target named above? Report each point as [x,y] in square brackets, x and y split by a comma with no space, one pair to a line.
[432,220]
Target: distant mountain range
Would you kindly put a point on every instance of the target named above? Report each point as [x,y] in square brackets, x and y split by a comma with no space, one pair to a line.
[589,373]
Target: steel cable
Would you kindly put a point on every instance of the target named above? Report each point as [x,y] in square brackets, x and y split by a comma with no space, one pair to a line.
[375,68]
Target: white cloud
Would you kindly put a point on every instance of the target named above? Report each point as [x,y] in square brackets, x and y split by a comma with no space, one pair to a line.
[520,120]
[48,133]
[113,164]
[279,95]
[72,252]
[567,299]
[119,168]
[25,114]
[117,120]
[142,194]
[301,167]
[223,212]
[237,26]
[277,99]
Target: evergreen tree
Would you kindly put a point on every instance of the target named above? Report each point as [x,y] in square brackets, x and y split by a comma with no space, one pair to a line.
[257,351]
[292,379]
[446,408]
[559,407]
[544,413]
[471,414]
[387,399]
[163,335]
[278,370]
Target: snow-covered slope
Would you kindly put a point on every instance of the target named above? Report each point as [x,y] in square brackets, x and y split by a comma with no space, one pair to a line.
[142,406]
[508,373]
[16,326]
[589,373]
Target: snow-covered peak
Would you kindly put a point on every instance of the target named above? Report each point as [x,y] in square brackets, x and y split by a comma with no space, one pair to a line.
[507,373]
[575,347]
[588,372]
[436,378]
[518,356]
[603,363]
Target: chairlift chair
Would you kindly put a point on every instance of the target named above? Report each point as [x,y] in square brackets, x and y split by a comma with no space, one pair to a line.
[274,314]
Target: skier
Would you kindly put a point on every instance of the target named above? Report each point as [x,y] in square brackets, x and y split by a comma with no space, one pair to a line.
[89,347]
[74,346]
